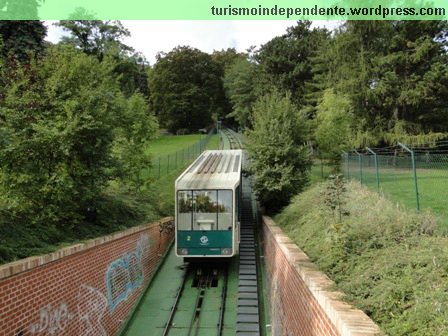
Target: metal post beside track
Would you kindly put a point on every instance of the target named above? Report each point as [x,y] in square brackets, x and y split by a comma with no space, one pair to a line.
[414,169]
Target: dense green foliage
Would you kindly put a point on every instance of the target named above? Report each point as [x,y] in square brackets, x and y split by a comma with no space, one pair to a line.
[23,39]
[395,76]
[239,82]
[370,83]
[64,138]
[279,158]
[186,87]
[73,145]
[286,61]
[95,37]
[333,128]
[384,258]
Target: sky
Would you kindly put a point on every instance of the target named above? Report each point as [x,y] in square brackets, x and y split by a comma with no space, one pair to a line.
[151,37]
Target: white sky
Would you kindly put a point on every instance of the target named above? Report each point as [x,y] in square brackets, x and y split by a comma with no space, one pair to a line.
[150,37]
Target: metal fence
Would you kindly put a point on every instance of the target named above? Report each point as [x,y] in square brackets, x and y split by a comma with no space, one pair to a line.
[414,176]
[163,165]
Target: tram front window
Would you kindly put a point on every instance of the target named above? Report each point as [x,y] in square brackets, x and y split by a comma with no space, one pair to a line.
[204,210]
[184,209]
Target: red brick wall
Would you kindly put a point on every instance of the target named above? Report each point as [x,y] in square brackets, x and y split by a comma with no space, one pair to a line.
[300,302]
[83,290]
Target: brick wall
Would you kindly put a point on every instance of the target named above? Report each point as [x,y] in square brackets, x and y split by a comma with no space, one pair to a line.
[86,289]
[300,302]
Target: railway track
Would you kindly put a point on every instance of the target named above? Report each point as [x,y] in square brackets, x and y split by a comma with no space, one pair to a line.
[206,286]
[234,139]
[248,311]
[206,299]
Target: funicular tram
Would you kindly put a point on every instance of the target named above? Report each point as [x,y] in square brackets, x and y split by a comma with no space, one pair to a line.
[208,204]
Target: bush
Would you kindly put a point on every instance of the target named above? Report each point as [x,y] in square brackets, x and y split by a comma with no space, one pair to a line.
[279,160]
[383,257]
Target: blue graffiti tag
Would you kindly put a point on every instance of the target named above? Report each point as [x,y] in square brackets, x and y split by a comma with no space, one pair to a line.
[123,276]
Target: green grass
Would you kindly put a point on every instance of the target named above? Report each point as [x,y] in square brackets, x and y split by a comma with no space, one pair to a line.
[170,144]
[319,171]
[174,151]
[398,185]
[386,259]
[162,189]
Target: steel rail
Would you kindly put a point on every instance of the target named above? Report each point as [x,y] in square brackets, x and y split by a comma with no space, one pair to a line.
[222,309]
[176,302]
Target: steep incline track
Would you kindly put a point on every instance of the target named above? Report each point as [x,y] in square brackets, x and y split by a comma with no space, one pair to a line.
[205,299]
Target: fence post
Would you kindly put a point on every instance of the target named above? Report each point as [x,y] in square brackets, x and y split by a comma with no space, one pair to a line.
[321,166]
[348,165]
[360,165]
[376,168]
[344,155]
[414,169]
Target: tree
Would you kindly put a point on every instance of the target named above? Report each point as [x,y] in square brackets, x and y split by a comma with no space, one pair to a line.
[240,82]
[185,89]
[95,37]
[134,129]
[225,59]
[132,74]
[279,158]
[392,71]
[334,121]
[60,119]
[22,38]
[286,60]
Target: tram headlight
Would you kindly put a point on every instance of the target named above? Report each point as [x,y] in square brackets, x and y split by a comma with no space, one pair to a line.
[226,251]
[182,251]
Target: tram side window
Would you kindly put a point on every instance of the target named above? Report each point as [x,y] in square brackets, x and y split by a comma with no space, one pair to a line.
[225,210]
[185,210]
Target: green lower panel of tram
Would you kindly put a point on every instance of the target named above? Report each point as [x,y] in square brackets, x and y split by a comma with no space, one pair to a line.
[204,243]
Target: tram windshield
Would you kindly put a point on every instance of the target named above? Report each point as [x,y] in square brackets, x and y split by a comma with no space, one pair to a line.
[204,210]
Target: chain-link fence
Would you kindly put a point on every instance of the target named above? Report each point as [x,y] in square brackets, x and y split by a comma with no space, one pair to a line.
[163,165]
[415,176]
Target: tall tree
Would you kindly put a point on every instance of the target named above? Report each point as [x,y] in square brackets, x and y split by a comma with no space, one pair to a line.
[279,157]
[22,38]
[60,119]
[286,59]
[392,72]
[240,82]
[333,125]
[185,89]
[96,37]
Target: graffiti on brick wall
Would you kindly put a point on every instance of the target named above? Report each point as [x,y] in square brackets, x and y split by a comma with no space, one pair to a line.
[91,307]
[125,274]
[52,319]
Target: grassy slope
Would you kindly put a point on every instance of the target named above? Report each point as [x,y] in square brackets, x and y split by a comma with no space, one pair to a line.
[169,144]
[163,188]
[382,257]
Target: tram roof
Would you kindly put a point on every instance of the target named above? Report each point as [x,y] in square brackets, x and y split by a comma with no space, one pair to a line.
[213,169]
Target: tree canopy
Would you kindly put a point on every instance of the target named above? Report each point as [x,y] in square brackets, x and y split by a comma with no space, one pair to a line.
[185,88]
[24,39]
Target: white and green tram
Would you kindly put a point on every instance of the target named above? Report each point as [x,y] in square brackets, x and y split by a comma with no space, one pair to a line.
[208,205]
